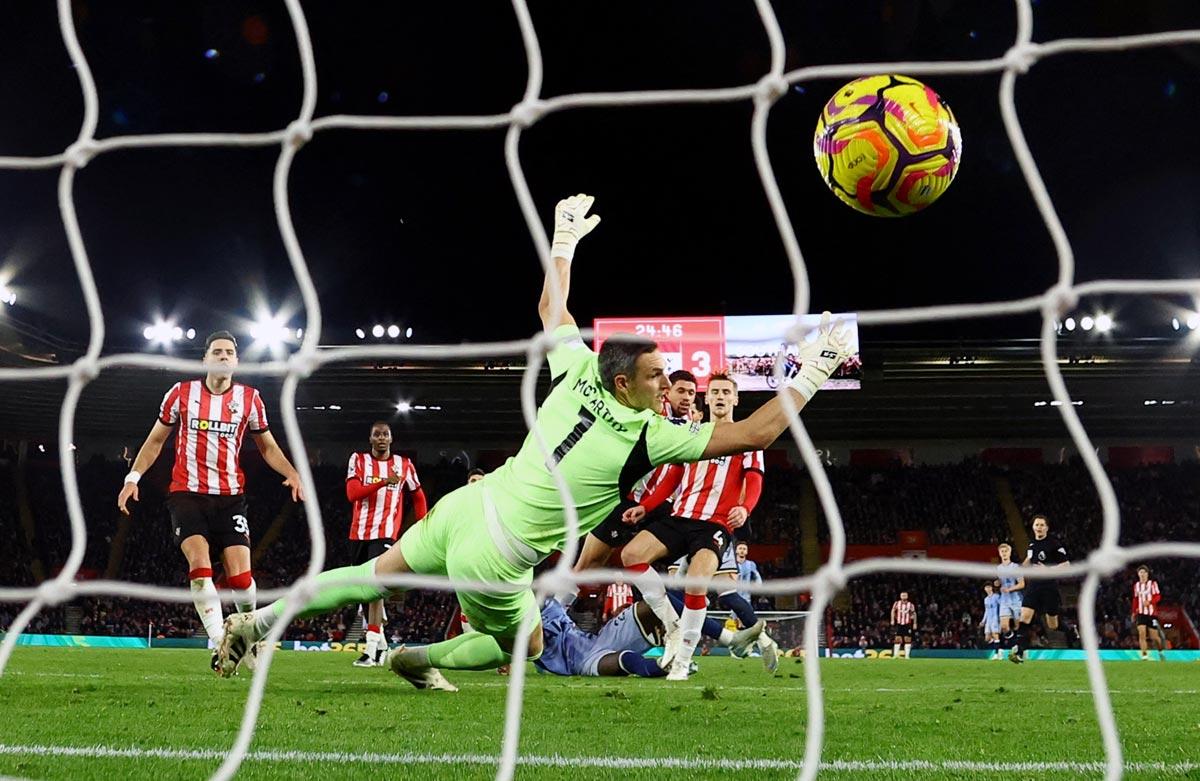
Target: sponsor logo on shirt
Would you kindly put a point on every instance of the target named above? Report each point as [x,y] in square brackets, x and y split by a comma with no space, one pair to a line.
[221,427]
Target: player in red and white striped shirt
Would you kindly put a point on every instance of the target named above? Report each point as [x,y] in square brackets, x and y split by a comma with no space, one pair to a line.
[376,482]
[715,497]
[206,500]
[1145,612]
[904,625]
[613,532]
[617,597]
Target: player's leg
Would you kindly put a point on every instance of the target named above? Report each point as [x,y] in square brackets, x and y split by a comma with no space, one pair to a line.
[190,524]
[702,563]
[1141,630]
[594,553]
[236,560]
[897,641]
[1021,636]
[643,550]
[712,628]
[908,638]
[1160,638]
[427,551]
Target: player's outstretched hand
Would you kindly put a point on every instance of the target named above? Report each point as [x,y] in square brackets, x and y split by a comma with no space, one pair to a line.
[128,491]
[821,357]
[297,487]
[633,514]
[571,224]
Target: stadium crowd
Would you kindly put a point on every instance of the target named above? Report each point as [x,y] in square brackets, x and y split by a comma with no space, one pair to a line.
[952,503]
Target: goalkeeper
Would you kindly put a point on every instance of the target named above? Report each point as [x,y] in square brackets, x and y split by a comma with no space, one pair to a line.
[602,425]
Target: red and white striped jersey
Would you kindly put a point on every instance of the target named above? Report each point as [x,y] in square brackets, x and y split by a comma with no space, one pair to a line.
[209,438]
[378,515]
[647,484]
[904,612]
[616,597]
[1145,597]
[710,489]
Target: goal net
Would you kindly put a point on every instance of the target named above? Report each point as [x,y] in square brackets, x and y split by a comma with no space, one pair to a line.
[1052,304]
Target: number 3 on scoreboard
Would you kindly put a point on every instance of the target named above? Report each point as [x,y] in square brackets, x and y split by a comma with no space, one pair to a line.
[701,363]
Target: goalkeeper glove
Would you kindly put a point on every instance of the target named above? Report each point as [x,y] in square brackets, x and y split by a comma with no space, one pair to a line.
[571,224]
[821,357]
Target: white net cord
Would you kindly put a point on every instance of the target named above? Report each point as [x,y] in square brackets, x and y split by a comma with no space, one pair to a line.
[1052,304]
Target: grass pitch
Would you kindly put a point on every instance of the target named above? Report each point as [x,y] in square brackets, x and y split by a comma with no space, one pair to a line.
[112,714]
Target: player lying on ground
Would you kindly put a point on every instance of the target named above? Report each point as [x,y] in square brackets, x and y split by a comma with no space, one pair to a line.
[618,647]
[601,419]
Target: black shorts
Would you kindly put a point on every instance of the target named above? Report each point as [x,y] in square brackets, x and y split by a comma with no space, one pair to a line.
[364,550]
[1044,599]
[1143,620]
[222,520]
[614,532]
[685,537]
[903,630]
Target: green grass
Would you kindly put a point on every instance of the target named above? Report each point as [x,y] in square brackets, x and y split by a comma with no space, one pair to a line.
[934,710]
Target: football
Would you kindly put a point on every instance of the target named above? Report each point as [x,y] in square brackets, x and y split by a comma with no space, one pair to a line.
[887,145]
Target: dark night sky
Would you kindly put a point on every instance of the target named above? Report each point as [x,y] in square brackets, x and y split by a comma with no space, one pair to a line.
[423,228]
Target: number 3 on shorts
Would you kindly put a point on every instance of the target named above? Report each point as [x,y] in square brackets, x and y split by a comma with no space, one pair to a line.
[241,525]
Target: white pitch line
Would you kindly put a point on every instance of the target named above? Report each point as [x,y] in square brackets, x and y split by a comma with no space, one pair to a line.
[621,763]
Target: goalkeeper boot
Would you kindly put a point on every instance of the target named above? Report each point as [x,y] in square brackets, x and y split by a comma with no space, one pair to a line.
[744,638]
[409,665]
[770,653]
[239,639]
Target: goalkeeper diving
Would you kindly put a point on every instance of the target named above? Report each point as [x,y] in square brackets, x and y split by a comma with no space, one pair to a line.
[601,421]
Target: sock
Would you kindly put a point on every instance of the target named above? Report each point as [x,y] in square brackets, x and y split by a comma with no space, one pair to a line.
[373,639]
[654,593]
[736,603]
[327,599]
[895,650]
[908,650]
[695,608]
[208,604]
[636,664]
[711,628]
[1021,637]
[472,651]
[244,591]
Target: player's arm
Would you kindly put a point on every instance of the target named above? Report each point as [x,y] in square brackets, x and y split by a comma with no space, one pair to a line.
[914,621]
[893,614]
[757,576]
[751,492]
[273,455]
[146,457]
[821,358]
[571,224]
[1018,586]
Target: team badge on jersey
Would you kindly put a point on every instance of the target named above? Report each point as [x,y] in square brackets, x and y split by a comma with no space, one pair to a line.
[235,407]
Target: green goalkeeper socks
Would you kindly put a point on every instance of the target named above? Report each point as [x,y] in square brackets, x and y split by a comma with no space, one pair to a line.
[331,598]
[469,651]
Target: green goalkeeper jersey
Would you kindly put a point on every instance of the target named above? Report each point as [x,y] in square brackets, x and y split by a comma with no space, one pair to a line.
[600,446]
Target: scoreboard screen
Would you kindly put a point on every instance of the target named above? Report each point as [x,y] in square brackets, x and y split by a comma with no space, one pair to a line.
[745,346]
[693,343]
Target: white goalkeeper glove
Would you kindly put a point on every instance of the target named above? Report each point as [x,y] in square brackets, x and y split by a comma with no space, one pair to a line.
[821,357]
[571,224]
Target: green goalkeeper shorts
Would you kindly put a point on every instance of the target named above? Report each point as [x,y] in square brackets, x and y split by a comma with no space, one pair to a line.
[454,539]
